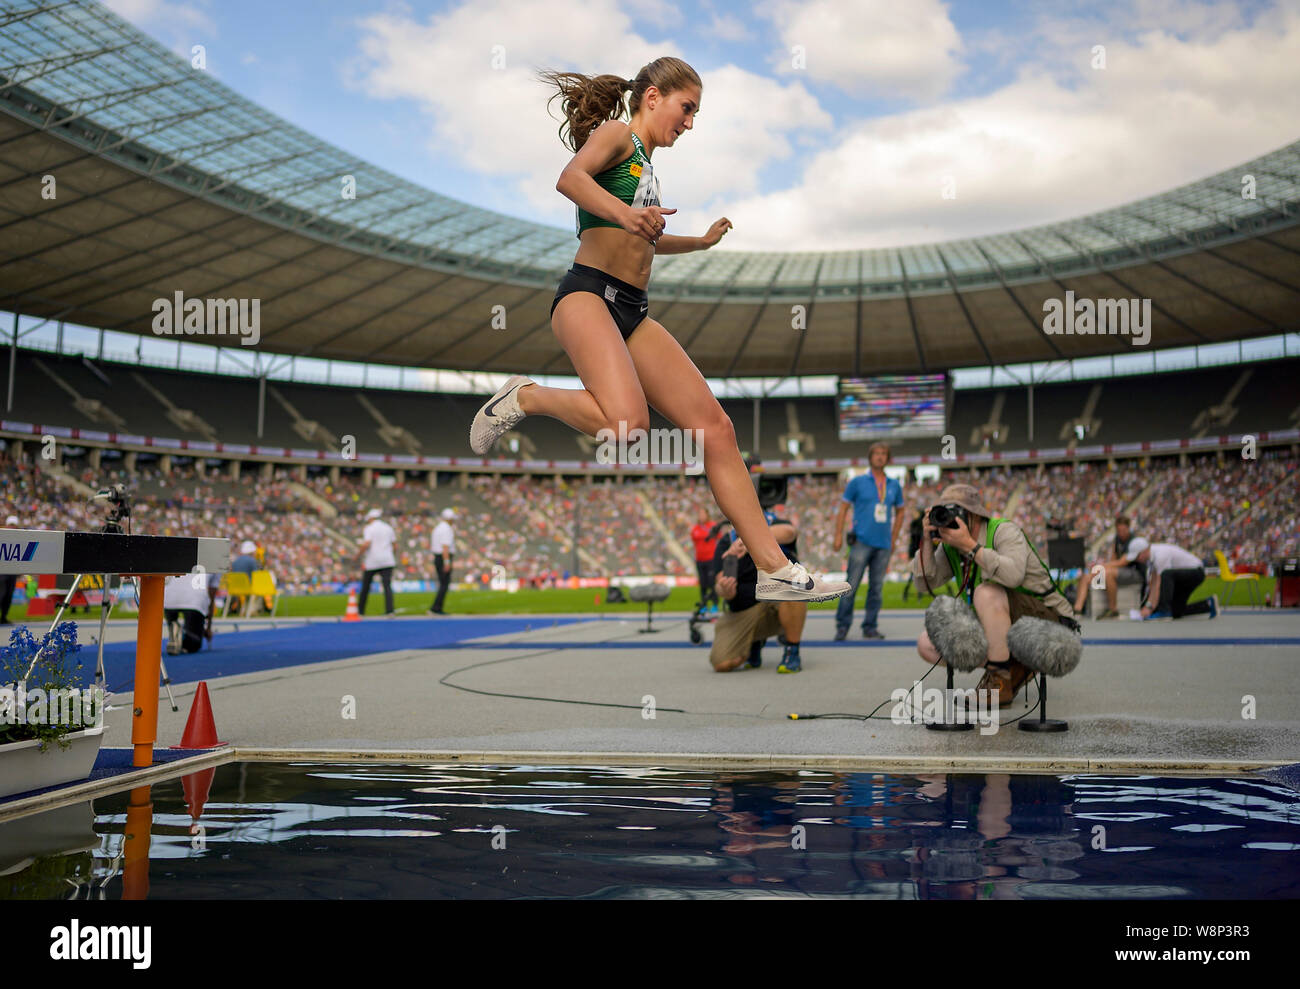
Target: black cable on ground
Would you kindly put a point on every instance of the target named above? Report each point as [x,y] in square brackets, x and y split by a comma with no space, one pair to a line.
[550,700]
[830,716]
[872,715]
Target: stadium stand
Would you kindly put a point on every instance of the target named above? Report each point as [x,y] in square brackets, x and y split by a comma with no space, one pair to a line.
[1137,409]
[524,524]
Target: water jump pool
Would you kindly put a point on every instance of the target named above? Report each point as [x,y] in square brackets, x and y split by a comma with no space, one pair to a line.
[370,831]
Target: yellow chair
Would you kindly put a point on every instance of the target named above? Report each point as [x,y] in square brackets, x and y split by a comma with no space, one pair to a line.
[236,585]
[1251,580]
[263,586]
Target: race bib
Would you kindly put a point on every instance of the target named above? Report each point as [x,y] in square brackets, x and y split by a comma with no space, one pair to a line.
[647,189]
[882,512]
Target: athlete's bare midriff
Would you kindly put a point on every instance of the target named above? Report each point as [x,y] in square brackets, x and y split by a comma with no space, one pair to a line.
[616,252]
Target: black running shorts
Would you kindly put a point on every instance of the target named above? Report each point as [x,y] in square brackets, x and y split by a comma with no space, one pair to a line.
[626,303]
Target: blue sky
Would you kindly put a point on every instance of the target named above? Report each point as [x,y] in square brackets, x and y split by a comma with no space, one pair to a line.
[847,152]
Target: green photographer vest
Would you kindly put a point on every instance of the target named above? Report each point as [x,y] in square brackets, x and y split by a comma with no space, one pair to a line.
[954,561]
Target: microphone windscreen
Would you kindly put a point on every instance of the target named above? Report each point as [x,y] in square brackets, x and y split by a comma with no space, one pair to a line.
[1045,647]
[956,633]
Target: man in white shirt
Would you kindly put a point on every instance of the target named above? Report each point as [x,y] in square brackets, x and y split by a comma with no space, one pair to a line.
[1172,575]
[444,546]
[377,557]
[187,608]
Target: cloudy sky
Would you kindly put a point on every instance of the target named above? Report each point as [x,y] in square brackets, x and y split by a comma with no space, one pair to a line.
[825,124]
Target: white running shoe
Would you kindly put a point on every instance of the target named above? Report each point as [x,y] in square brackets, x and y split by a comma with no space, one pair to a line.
[794,583]
[498,416]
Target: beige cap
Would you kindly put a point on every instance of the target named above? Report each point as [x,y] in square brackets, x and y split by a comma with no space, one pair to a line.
[966,496]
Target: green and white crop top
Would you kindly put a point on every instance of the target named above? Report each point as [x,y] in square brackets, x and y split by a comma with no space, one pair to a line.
[631,180]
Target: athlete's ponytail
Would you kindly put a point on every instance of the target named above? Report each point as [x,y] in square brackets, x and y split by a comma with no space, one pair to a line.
[588,101]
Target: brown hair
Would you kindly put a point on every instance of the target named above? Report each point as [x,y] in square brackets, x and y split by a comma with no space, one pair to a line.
[1123,520]
[588,101]
[881,445]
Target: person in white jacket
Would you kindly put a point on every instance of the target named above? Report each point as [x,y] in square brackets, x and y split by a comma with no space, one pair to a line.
[444,548]
[377,541]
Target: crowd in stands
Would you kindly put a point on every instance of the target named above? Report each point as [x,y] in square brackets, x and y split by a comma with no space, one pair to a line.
[524,525]
[1084,497]
[1197,505]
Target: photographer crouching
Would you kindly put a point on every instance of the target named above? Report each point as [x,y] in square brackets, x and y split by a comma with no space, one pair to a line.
[747,623]
[1002,577]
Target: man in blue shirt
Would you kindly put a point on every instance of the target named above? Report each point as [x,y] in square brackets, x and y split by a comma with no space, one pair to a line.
[246,561]
[877,501]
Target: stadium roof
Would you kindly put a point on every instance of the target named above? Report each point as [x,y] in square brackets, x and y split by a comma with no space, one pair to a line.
[169,181]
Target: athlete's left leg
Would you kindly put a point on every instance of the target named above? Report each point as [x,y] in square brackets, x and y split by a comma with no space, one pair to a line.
[673,385]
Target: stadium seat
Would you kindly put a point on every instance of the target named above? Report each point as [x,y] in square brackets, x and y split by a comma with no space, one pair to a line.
[263,586]
[236,585]
[1230,579]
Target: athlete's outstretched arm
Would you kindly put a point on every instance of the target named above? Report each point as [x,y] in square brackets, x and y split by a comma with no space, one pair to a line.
[669,244]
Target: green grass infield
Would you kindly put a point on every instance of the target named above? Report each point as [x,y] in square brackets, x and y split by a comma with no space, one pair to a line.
[559,601]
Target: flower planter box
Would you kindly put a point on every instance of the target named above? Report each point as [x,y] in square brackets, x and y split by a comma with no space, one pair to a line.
[23,766]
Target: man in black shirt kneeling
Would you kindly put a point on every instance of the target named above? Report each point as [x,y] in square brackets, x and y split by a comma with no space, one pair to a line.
[747,623]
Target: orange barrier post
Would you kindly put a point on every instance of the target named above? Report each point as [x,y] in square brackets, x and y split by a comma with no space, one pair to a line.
[148,659]
[139,832]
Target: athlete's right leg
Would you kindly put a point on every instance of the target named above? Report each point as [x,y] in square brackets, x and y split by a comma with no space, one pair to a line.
[589,336]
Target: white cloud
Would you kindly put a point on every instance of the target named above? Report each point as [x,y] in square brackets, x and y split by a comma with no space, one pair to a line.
[877,48]
[494,121]
[745,123]
[724,27]
[177,24]
[659,13]
[1060,141]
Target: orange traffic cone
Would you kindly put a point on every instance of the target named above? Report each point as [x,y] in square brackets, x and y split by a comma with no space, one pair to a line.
[196,787]
[352,615]
[200,728]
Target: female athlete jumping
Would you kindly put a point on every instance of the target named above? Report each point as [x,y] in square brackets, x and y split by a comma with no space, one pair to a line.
[624,357]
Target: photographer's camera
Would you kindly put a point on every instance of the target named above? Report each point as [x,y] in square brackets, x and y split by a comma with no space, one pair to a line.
[946,516]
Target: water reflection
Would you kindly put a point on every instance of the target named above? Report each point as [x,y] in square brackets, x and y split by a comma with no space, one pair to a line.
[289,831]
